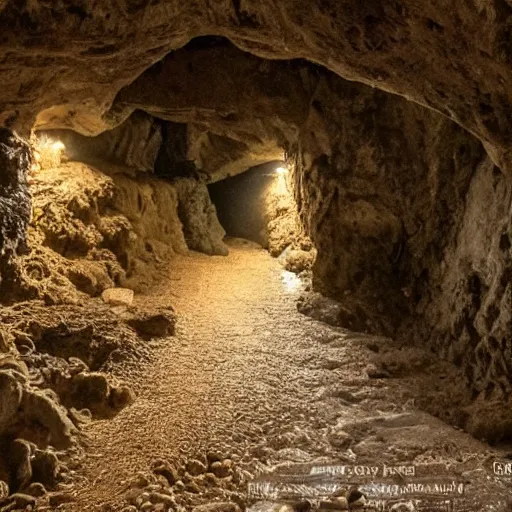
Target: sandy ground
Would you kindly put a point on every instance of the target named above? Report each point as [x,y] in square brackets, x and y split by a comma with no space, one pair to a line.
[249,377]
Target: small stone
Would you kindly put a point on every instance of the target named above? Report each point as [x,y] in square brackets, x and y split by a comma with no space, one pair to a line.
[19,462]
[151,324]
[179,485]
[222,469]
[129,508]
[214,457]
[166,470]
[118,296]
[141,480]
[36,489]
[142,498]
[58,498]
[193,487]
[147,505]
[210,479]
[131,495]
[90,389]
[4,489]
[196,467]
[22,500]
[76,366]
[158,497]
[45,467]
[355,498]
[121,397]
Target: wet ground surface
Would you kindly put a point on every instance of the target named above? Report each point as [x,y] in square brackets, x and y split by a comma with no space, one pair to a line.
[249,388]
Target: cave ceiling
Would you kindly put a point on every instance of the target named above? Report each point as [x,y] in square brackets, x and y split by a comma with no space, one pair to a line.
[64,63]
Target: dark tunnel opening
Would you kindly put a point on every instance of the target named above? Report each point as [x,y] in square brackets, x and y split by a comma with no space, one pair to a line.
[241,202]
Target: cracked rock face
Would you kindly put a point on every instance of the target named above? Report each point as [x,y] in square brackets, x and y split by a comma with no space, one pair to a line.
[15,203]
[411,220]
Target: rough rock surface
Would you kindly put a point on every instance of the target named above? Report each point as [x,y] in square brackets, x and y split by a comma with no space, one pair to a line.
[92,230]
[201,227]
[410,217]
[15,206]
[69,235]
[410,248]
[408,49]
[118,296]
[252,108]
[155,231]
[384,240]
[58,369]
[250,387]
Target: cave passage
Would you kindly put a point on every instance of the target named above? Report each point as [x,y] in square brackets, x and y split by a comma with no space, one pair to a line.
[244,202]
[251,272]
[248,384]
[241,202]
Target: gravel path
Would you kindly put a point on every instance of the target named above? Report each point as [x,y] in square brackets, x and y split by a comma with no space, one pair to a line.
[249,378]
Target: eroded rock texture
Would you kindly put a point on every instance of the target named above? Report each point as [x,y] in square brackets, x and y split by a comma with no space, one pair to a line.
[134,143]
[15,205]
[251,110]
[426,52]
[393,196]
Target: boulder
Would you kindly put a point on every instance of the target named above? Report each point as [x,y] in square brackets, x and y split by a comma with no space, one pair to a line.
[38,406]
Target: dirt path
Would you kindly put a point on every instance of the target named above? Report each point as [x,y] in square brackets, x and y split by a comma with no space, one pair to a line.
[249,377]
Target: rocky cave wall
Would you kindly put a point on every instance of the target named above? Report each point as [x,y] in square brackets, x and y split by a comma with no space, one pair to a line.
[72,229]
[15,205]
[411,220]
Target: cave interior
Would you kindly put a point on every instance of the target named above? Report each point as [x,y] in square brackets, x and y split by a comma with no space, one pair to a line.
[316,196]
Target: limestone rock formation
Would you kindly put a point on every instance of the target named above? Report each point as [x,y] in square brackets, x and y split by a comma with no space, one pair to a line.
[252,108]
[49,368]
[15,205]
[201,227]
[401,48]
[154,229]
[392,196]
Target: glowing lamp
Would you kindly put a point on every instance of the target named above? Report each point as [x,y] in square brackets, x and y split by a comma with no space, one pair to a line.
[281,170]
[58,146]
[49,153]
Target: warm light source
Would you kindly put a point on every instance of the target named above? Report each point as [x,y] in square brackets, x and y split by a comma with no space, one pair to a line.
[282,170]
[48,152]
[58,146]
